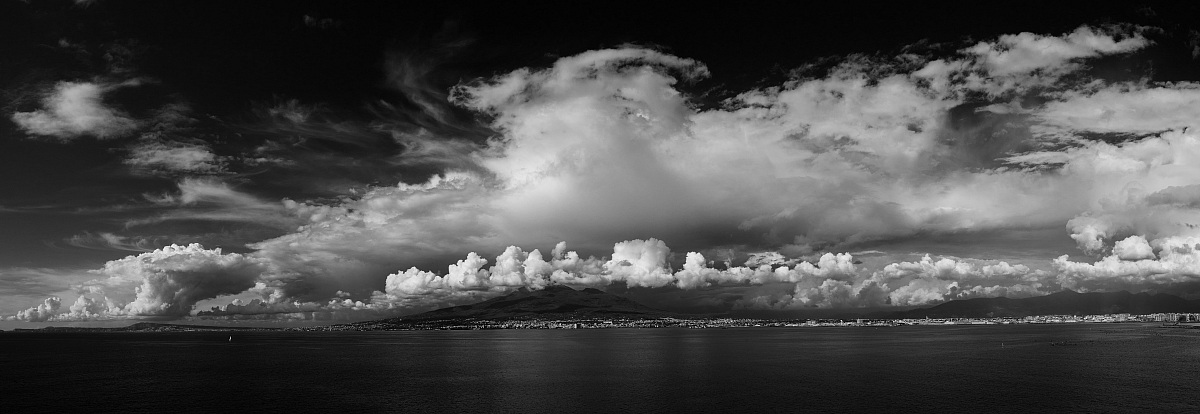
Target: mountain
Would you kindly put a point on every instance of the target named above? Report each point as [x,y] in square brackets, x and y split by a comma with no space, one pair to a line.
[553,302]
[1066,302]
[146,327]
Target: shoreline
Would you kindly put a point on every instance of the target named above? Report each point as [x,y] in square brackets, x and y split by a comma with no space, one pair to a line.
[537,324]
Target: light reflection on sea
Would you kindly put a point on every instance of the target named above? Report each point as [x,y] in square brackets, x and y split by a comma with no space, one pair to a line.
[1059,368]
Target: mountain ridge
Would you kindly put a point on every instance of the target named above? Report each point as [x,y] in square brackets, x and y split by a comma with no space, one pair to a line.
[551,302]
[1066,302]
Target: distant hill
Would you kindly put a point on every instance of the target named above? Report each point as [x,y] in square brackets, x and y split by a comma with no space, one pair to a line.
[553,302]
[145,327]
[1066,302]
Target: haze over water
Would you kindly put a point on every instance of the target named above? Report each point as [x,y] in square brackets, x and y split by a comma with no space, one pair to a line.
[1055,368]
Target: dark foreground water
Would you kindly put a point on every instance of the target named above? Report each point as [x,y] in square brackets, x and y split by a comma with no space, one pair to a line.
[1102,368]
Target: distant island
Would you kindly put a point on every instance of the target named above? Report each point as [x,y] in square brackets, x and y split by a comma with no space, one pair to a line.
[557,307]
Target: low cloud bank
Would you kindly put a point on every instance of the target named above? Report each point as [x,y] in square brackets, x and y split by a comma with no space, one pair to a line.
[169,282]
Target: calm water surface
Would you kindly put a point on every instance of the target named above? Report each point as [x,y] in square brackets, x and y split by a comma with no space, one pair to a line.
[1105,368]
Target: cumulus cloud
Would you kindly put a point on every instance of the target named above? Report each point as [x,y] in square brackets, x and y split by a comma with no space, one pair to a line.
[833,280]
[1144,231]
[1163,213]
[74,109]
[1133,248]
[633,263]
[605,146]
[930,281]
[767,258]
[89,308]
[470,278]
[169,281]
[1131,267]
[40,313]
[166,282]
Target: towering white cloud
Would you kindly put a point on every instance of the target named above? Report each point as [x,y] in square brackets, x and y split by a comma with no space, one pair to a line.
[1133,248]
[88,308]
[930,281]
[604,147]
[1148,190]
[1173,263]
[169,281]
[40,313]
[633,262]
[1143,227]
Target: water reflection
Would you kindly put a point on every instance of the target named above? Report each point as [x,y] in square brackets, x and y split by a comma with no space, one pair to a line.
[1106,368]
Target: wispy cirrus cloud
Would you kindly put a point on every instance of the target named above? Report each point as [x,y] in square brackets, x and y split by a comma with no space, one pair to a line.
[210,199]
[158,157]
[110,241]
[1026,52]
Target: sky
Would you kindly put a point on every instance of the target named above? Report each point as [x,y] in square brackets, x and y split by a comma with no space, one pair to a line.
[303,162]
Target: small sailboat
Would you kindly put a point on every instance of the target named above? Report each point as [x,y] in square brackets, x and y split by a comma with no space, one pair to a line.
[230,338]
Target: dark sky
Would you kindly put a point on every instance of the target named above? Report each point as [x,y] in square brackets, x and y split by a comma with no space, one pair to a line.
[130,126]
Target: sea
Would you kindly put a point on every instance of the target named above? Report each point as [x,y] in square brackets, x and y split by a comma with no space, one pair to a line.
[1086,368]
